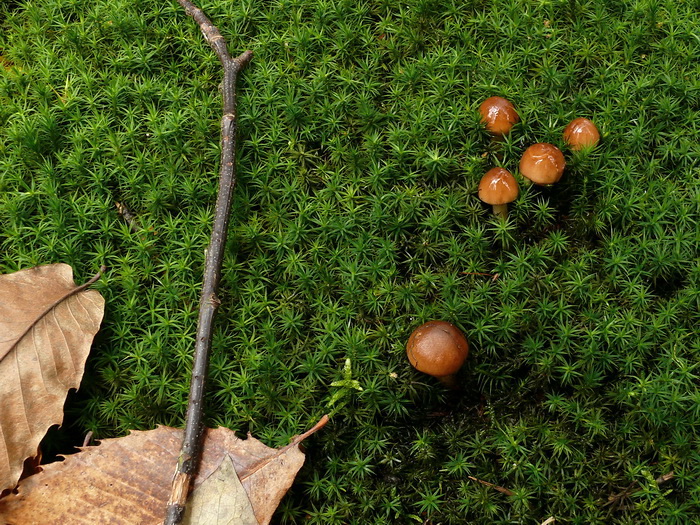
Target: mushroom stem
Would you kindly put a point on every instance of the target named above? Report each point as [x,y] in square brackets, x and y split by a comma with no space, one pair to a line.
[449,382]
[500,210]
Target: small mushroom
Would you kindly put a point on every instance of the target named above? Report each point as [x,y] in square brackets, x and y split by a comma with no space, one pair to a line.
[580,134]
[438,348]
[499,115]
[498,188]
[542,163]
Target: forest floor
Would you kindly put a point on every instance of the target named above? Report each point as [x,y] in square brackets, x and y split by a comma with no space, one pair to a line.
[356,219]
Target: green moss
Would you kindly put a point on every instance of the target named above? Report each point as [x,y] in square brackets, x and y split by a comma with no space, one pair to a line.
[356,219]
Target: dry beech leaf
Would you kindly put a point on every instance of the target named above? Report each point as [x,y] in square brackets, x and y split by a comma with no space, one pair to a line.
[127,480]
[221,499]
[47,325]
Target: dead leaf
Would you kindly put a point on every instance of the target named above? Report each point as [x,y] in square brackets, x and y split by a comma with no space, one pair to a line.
[46,327]
[220,500]
[127,480]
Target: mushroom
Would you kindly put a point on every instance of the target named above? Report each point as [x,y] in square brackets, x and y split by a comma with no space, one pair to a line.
[498,187]
[580,134]
[499,115]
[438,348]
[542,163]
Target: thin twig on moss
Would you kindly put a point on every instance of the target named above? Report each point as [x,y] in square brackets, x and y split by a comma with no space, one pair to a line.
[502,490]
[209,302]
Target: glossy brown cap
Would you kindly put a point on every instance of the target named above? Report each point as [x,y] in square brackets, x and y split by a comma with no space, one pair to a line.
[437,348]
[498,114]
[498,186]
[581,133]
[542,163]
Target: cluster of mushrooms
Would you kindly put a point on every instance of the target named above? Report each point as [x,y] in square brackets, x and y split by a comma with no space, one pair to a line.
[542,163]
[439,348]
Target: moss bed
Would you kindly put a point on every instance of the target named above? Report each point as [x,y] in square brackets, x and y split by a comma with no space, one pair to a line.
[356,219]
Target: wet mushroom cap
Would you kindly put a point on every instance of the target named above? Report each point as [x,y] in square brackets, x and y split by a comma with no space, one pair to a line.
[498,186]
[581,133]
[542,163]
[437,348]
[498,114]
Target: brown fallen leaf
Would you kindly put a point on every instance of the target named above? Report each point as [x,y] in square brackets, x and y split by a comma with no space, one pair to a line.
[221,499]
[47,325]
[123,480]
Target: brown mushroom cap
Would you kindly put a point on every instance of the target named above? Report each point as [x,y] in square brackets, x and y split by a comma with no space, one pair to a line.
[437,348]
[581,133]
[498,186]
[498,114]
[542,163]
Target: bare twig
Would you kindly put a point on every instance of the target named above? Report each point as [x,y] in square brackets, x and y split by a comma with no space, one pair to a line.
[495,487]
[664,478]
[88,438]
[128,215]
[616,499]
[209,302]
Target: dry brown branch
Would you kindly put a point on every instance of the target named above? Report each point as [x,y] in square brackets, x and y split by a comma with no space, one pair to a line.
[209,302]
[666,477]
[128,216]
[496,487]
[616,499]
